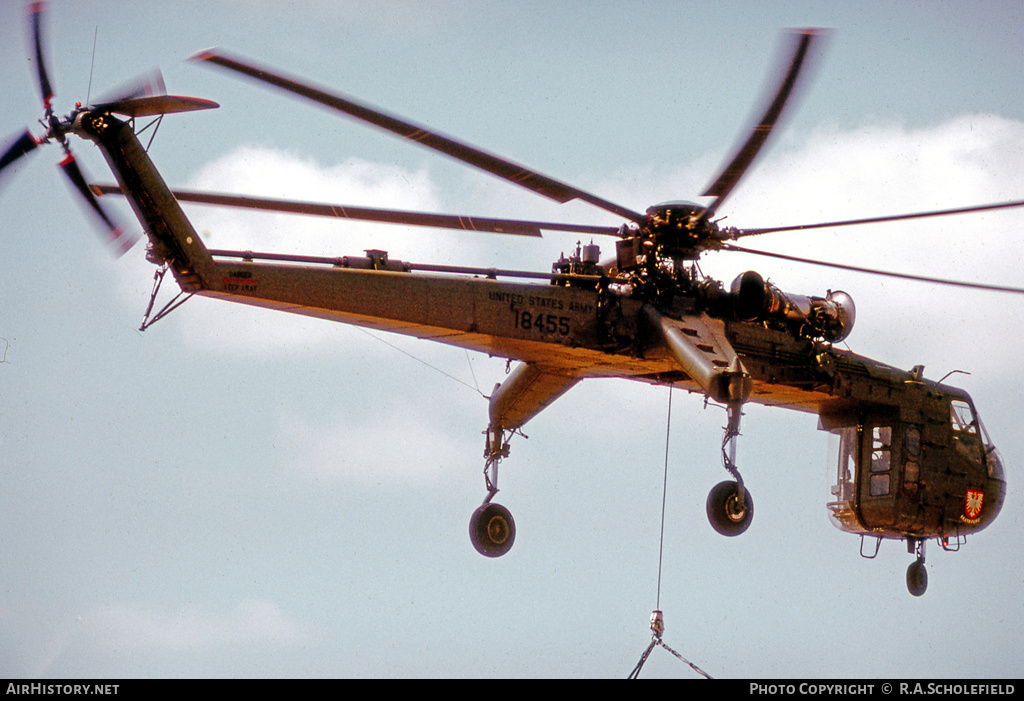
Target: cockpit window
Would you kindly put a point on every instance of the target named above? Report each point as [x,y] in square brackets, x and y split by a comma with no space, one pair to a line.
[962,417]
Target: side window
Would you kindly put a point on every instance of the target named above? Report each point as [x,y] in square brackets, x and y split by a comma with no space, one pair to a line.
[843,488]
[881,460]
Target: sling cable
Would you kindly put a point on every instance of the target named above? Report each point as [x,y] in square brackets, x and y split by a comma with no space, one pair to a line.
[657,617]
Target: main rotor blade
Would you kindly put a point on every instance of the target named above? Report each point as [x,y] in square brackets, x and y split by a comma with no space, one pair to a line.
[118,239]
[873,271]
[388,216]
[876,220]
[520,175]
[144,85]
[731,174]
[36,11]
[19,147]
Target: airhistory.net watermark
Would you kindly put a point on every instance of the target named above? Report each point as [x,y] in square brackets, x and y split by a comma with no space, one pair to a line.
[62,689]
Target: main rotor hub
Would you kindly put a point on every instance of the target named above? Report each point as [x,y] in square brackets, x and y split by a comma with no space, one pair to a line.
[680,229]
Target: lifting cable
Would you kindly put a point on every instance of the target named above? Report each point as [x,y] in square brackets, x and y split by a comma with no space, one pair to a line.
[657,618]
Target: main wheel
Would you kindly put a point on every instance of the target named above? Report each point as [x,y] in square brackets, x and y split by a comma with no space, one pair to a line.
[492,530]
[917,578]
[724,511]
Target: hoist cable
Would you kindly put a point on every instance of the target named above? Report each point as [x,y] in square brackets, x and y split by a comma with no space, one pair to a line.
[657,622]
[664,492]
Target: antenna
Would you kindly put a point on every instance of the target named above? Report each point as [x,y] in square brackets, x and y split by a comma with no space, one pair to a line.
[92,64]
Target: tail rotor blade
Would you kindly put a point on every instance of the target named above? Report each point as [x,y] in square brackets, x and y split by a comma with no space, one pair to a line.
[45,88]
[23,145]
[119,240]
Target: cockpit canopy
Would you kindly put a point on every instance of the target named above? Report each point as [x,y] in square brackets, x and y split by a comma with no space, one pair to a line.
[939,476]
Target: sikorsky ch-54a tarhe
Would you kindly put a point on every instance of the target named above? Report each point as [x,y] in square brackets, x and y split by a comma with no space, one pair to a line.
[914,461]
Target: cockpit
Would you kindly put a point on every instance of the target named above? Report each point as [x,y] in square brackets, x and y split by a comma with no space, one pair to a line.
[935,475]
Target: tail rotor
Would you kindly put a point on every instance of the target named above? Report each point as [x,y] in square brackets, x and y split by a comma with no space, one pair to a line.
[18,147]
[116,237]
[21,145]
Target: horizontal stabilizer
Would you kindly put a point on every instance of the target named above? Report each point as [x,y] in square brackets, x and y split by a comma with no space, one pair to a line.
[151,105]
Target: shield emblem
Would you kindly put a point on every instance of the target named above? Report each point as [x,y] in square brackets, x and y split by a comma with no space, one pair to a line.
[972,503]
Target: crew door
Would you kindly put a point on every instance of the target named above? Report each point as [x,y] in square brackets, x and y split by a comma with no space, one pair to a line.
[878,472]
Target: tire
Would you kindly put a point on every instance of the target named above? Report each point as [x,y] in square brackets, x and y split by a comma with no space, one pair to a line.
[722,509]
[917,578]
[492,530]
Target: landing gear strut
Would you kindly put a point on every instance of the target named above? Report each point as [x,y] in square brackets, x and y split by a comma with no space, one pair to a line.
[730,507]
[492,529]
[917,575]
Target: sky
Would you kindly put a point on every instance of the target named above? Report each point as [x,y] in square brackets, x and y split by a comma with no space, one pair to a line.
[243,493]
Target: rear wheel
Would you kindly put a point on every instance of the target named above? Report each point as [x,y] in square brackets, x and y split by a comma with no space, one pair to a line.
[724,510]
[492,530]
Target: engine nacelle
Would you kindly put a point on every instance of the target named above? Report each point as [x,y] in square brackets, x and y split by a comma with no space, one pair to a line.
[830,318]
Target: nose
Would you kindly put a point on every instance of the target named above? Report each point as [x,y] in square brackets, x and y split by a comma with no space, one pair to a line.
[995,493]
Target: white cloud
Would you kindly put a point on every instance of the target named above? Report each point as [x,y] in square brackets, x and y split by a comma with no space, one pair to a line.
[269,173]
[887,169]
[46,641]
[881,170]
[123,627]
[264,172]
[406,443]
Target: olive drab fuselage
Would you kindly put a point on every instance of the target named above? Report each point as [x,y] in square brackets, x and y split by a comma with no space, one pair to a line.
[940,478]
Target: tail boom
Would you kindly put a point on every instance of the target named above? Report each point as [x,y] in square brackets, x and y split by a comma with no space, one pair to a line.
[171,236]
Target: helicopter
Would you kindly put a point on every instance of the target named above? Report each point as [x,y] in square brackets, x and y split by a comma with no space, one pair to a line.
[914,463]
